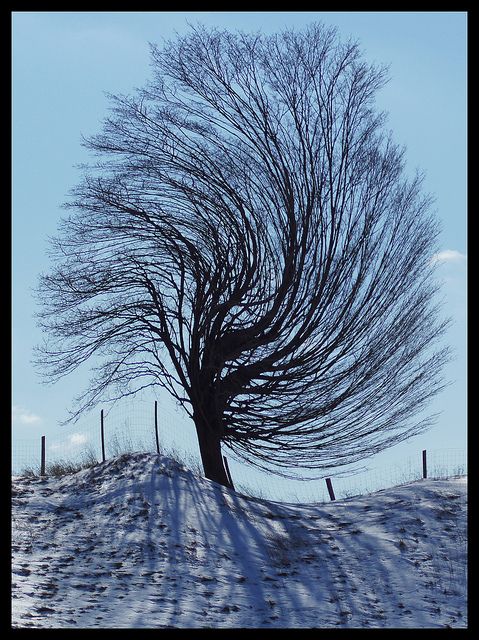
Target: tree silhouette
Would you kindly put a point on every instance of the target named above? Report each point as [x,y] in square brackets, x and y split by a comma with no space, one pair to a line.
[248,239]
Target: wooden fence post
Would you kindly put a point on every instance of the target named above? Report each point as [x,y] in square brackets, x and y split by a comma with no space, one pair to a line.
[156,428]
[329,484]
[42,465]
[228,474]
[424,464]
[102,436]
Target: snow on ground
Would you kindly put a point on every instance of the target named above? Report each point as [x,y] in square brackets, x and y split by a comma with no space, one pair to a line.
[139,541]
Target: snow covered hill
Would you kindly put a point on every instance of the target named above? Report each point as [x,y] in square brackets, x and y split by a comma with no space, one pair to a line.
[139,541]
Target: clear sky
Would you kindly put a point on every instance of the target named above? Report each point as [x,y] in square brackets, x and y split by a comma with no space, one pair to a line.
[64,62]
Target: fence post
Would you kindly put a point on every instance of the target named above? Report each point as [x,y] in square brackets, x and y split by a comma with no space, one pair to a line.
[42,465]
[329,484]
[424,464]
[102,436]
[228,474]
[156,428]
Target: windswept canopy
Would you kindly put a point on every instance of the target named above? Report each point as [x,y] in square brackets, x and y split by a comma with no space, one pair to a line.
[249,240]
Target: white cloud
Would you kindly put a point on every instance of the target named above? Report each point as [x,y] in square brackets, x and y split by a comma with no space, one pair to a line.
[73,440]
[77,439]
[20,415]
[449,255]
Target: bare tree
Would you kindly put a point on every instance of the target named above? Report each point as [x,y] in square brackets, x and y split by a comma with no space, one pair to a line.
[248,240]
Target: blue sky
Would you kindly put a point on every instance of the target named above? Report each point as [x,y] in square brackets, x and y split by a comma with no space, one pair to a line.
[63,62]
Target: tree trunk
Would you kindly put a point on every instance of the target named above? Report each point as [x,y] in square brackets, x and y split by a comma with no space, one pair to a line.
[210,450]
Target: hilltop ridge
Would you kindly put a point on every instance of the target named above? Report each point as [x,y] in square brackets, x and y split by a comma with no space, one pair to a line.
[140,541]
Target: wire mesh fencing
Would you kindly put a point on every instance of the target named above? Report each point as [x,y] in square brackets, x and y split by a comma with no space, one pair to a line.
[148,426]
[441,463]
[106,433]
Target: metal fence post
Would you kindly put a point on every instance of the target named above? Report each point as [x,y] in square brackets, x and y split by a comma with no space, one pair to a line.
[102,436]
[228,474]
[156,428]
[329,484]
[424,464]
[42,465]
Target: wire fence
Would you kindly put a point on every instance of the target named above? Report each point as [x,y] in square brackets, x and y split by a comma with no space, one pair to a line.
[130,428]
[127,427]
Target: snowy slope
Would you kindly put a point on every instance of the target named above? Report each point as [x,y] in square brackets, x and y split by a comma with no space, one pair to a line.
[139,541]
